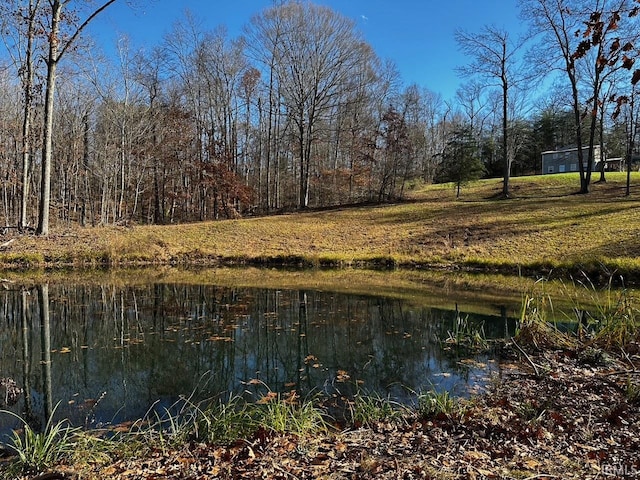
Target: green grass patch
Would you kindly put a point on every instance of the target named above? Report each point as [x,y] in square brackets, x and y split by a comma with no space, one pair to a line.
[37,451]
[223,422]
[288,414]
[367,410]
[466,337]
[433,404]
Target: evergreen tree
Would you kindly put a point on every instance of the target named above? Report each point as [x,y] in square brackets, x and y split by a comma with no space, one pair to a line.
[461,161]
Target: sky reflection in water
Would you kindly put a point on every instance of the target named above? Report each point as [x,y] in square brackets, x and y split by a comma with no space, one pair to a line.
[115,351]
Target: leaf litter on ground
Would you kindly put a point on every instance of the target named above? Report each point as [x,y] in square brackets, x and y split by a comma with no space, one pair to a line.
[573,419]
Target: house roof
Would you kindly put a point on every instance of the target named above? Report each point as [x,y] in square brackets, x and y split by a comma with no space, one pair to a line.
[570,149]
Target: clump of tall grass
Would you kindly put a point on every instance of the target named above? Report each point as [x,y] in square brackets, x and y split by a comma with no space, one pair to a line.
[369,409]
[433,403]
[95,448]
[609,320]
[215,421]
[222,421]
[535,329]
[288,414]
[467,336]
[162,430]
[37,451]
[613,324]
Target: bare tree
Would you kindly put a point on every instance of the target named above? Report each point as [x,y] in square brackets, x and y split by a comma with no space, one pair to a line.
[495,59]
[556,21]
[632,126]
[592,42]
[21,40]
[58,45]
[123,131]
[474,105]
[261,36]
[430,116]
[606,47]
[10,118]
[150,74]
[314,50]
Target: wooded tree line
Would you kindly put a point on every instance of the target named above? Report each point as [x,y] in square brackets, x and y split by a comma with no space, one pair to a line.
[296,112]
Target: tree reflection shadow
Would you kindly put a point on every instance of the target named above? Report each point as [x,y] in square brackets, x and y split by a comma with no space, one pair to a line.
[107,352]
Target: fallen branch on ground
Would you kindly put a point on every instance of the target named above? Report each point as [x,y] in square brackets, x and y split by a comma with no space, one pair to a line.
[7,244]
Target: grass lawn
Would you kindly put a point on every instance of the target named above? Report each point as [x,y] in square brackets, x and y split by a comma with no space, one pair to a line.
[544,226]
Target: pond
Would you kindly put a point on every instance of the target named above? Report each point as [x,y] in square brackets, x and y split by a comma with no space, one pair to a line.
[106,353]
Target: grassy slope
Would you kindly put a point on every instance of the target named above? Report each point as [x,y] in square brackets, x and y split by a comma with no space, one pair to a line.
[544,226]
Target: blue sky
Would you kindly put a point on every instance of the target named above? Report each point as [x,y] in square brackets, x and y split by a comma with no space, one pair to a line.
[416,34]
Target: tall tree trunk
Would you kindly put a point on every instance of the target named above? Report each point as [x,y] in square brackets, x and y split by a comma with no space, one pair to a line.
[306,141]
[603,178]
[26,125]
[505,131]
[85,170]
[270,136]
[52,66]
[629,156]
[631,137]
[302,150]
[123,159]
[592,127]
[56,52]
[584,185]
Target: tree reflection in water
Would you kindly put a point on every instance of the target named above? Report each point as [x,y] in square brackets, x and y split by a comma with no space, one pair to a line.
[109,352]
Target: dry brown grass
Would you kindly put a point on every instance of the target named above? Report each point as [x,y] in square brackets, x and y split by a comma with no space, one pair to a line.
[544,226]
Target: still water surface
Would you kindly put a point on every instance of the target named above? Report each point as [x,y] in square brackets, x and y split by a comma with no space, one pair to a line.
[107,353]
